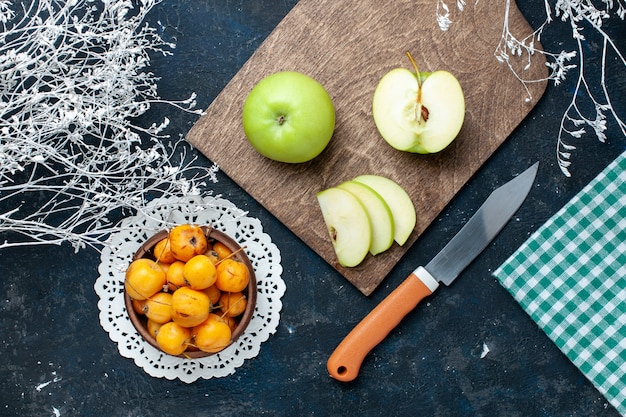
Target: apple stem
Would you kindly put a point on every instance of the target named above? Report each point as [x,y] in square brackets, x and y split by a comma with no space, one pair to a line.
[417,73]
[420,112]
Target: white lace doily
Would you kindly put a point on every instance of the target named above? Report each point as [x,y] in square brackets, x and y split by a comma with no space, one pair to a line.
[165,213]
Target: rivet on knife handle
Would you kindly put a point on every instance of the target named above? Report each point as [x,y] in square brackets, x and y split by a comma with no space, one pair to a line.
[345,362]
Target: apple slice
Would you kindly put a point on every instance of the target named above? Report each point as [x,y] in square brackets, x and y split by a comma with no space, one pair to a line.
[378,212]
[399,202]
[420,114]
[347,223]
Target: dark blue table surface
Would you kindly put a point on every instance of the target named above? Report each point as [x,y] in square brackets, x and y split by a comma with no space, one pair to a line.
[430,365]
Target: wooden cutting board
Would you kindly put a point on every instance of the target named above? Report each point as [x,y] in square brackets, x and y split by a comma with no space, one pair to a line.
[348,47]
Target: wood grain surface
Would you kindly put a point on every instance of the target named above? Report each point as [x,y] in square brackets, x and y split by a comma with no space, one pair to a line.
[348,47]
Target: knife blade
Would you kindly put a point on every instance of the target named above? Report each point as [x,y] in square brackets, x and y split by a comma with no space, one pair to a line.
[345,362]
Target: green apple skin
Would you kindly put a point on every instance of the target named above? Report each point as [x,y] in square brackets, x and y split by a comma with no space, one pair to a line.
[348,225]
[394,110]
[399,202]
[378,212]
[289,117]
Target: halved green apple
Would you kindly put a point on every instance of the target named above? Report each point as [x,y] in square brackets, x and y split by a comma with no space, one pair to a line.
[378,212]
[418,113]
[399,202]
[347,223]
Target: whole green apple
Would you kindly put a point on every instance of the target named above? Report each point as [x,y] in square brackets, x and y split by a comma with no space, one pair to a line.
[289,117]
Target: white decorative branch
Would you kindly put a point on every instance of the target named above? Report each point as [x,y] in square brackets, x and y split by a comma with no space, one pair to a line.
[582,15]
[73,77]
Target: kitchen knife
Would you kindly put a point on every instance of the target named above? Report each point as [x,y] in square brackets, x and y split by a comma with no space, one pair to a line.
[469,242]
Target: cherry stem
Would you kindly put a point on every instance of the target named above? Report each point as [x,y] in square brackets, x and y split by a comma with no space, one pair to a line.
[230,255]
[230,306]
[158,260]
[135,289]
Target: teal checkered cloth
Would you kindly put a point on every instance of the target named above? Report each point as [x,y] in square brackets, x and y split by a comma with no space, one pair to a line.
[570,277]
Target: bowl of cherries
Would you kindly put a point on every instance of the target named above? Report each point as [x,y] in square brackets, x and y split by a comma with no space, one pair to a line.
[190,291]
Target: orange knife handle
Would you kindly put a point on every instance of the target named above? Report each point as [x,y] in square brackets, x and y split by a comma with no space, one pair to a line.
[345,362]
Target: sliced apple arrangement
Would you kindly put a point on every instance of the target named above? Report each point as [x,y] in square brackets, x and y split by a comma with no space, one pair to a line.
[190,291]
[366,215]
[419,112]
